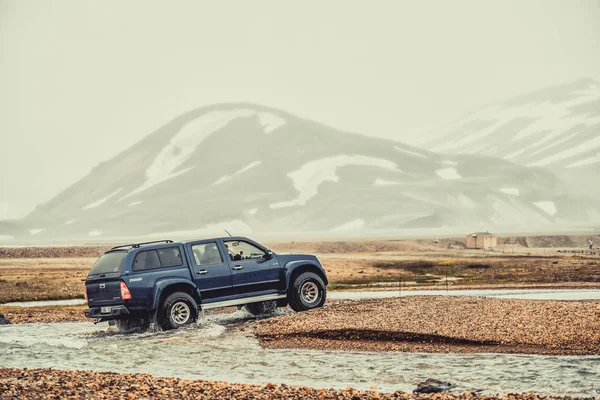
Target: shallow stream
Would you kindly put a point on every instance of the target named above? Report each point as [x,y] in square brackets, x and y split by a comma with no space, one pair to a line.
[218,349]
[530,294]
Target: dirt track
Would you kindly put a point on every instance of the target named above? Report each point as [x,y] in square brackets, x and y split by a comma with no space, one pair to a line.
[56,384]
[443,325]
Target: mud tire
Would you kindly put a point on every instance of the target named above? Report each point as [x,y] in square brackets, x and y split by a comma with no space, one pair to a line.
[262,308]
[307,291]
[177,310]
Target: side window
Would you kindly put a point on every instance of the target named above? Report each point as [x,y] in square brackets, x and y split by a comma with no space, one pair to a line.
[239,250]
[169,257]
[152,259]
[146,260]
[206,254]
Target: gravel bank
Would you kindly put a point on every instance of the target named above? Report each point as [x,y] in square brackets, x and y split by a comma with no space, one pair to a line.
[50,314]
[442,324]
[57,384]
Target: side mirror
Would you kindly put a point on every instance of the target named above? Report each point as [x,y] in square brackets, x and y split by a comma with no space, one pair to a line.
[269,254]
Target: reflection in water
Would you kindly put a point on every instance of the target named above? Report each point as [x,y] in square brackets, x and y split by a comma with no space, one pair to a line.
[219,348]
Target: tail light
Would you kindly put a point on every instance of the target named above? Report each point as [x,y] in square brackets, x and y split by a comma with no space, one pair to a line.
[125,293]
[85,292]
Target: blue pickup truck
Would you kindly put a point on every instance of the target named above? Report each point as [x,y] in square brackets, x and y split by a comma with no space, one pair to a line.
[171,282]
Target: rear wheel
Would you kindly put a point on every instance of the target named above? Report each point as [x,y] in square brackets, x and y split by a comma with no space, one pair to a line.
[177,310]
[307,291]
[262,308]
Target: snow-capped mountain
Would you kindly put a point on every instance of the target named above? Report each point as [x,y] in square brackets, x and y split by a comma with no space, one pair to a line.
[557,128]
[248,168]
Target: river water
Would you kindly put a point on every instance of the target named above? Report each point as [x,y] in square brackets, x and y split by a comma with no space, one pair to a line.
[530,294]
[218,350]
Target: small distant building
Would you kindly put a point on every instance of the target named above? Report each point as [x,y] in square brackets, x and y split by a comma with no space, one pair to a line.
[481,240]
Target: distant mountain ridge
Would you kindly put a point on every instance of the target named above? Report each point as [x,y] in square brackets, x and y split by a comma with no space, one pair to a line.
[254,169]
[557,127]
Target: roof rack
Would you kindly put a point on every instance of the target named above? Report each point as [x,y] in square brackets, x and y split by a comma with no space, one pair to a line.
[135,245]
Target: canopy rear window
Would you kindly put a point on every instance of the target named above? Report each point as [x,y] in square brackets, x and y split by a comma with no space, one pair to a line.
[108,263]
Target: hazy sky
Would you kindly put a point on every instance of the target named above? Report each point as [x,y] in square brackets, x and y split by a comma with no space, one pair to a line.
[81,80]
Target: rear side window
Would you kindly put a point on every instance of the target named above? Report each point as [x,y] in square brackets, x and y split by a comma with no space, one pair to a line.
[109,262]
[146,260]
[152,259]
[207,254]
[169,257]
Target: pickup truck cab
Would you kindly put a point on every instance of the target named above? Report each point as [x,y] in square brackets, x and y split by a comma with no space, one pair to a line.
[171,282]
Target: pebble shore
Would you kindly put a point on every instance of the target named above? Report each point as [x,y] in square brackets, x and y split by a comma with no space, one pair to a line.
[442,325]
[58,384]
[44,315]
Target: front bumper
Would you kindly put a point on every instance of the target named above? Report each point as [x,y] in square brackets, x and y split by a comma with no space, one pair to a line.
[115,312]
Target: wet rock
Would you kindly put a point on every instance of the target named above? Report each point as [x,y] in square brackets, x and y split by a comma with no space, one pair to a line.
[3,320]
[433,386]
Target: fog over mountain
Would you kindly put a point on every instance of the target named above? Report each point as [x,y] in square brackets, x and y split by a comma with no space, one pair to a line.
[557,128]
[253,169]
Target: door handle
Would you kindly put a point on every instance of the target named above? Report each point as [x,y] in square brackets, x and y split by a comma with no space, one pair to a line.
[202,272]
[238,267]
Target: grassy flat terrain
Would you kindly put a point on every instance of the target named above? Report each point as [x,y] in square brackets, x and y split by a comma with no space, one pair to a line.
[28,274]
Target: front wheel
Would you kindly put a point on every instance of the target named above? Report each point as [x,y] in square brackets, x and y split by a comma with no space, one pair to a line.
[178,309]
[307,291]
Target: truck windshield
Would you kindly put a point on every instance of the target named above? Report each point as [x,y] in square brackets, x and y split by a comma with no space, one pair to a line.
[109,262]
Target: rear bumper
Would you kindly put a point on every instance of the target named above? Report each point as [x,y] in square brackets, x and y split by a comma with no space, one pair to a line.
[116,312]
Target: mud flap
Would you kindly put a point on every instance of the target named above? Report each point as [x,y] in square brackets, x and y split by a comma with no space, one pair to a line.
[152,318]
[282,302]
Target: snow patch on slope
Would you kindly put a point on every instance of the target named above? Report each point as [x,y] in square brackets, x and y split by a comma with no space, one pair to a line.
[511,191]
[252,211]
[507,214]
[94,233]
[548,206]
[414,153]
[246,168]
[571,152]
[383,182]
[35,231]
[307,178]
[71,221]
[586,161]
[270,121]
[461,201]
[101,201]
[555,118]
[448,173]
[184,144]
[448,162]
[350,226]
[134,203]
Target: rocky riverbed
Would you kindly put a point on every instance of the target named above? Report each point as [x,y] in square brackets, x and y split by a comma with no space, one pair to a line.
[57,384]
[442,324]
